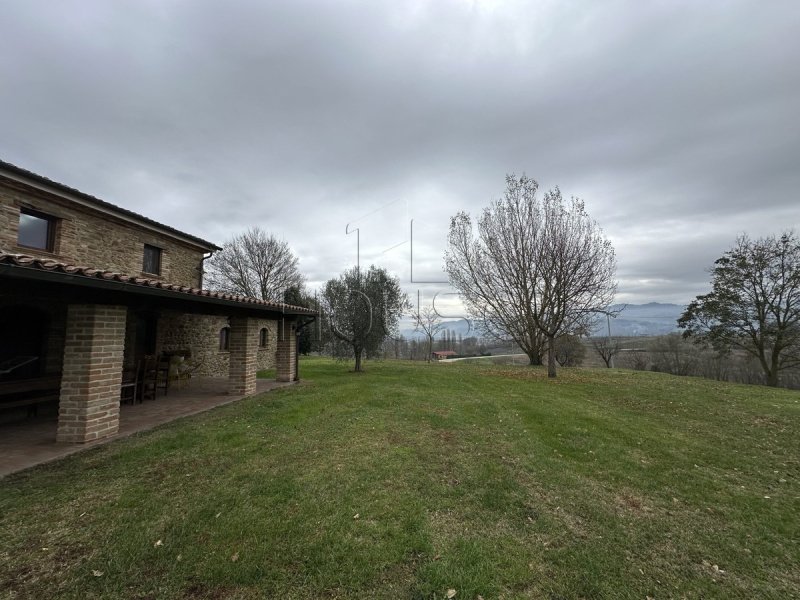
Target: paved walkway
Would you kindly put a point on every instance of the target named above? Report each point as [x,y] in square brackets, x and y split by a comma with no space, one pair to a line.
[31,442]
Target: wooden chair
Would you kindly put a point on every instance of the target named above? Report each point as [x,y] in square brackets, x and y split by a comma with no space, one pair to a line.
[178,373]
[129,390]
[155,376]
[149,372]
[162,374]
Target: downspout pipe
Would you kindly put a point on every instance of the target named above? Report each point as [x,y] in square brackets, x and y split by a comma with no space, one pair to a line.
[202,266]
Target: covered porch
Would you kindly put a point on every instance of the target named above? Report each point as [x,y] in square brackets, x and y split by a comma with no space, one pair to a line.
[33,441]
[84,339]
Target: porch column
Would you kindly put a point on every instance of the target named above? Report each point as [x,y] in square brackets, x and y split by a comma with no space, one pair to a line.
[286,358]
[244,350]
[88,408]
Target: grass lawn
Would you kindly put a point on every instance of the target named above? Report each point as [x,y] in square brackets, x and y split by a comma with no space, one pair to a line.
[411,480]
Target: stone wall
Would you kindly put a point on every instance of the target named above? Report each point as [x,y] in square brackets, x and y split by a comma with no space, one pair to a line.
[94,239]
[266,354]
[200,334]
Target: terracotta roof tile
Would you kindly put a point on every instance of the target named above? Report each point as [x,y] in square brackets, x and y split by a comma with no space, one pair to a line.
[47,264]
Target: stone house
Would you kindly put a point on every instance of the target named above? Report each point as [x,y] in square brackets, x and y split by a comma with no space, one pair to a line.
[87,289]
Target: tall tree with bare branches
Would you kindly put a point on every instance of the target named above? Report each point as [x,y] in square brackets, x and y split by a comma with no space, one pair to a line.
[754,303]
[255,264]
[532,268]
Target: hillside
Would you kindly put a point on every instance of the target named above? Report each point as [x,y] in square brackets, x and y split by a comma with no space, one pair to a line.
[653,318]
[417,480]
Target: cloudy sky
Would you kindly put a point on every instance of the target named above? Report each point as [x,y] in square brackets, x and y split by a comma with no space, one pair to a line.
[678,123]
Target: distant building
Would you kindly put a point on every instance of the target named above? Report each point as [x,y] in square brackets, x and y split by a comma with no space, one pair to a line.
[443,354]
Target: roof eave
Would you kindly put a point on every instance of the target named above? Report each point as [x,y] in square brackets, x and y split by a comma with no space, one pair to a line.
[49,186]
[101,283]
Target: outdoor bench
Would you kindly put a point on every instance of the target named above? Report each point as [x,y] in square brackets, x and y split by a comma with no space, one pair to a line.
[29,392]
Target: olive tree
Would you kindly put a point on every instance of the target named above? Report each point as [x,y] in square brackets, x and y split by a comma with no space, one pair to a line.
[361,308]
[533,268]
[754,303]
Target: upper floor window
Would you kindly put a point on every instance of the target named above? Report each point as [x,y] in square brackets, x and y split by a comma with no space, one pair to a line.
[152,260]
[36,230]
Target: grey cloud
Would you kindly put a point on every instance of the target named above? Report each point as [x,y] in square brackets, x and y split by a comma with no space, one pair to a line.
[668,119]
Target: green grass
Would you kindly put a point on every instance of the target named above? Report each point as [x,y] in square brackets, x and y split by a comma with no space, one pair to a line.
[266,374]
[412,479]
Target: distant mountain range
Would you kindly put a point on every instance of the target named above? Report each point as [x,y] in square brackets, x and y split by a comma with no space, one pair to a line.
[654,318]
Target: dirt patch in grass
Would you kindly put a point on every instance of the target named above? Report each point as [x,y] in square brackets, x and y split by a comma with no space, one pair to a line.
[51,563]
[629,502]
[394,438]
[445,436]
[207,592]
[768,422]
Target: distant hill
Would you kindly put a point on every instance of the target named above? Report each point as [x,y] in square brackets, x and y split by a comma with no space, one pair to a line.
[654,318]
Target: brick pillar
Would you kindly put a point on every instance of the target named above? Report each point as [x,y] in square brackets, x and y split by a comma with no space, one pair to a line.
[243,354]
[286,356]
[92,372]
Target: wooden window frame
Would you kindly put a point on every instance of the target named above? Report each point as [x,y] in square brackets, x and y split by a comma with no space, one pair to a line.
[159,253]
[52,223]
[225,339]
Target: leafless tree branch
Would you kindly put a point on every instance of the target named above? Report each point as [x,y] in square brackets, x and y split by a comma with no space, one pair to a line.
[255,264]
[532,268]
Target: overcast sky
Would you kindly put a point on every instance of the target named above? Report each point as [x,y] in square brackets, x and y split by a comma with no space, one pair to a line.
[678,123]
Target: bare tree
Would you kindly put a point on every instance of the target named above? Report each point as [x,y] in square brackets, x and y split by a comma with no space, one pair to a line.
[428,322]
[639,359]
[607,348]
[255,264]
[537,269]
[570,351]
[754,304]
[672,354]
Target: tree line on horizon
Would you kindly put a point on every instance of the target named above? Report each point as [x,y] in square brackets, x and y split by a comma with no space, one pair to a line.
[538,270]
